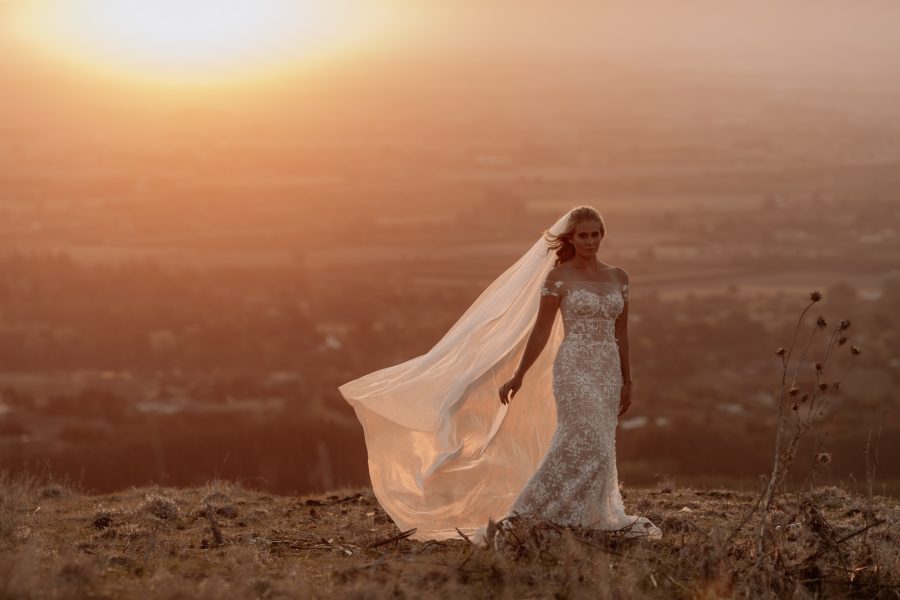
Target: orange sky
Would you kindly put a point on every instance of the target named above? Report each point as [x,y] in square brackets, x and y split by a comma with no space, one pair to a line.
[819,35]
[802,43]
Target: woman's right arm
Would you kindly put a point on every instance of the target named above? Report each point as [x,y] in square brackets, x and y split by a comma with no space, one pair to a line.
[537,339]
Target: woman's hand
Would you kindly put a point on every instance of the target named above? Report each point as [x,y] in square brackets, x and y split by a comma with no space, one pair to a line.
[513,386]
[625,400]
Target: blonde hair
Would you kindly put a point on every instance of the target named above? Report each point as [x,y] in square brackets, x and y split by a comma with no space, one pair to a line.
[562,241]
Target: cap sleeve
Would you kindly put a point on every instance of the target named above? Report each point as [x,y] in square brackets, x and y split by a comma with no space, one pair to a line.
[552,288]
[625,291]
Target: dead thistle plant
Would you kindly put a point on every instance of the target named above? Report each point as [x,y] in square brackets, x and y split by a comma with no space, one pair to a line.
[799,409]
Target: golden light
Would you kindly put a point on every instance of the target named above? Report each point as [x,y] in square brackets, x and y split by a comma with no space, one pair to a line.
[196,40]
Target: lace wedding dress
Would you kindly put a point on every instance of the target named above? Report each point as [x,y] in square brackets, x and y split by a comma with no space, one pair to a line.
[577,481]
[445,455]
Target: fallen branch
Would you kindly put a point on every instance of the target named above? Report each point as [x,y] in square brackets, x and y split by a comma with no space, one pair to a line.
[395,538]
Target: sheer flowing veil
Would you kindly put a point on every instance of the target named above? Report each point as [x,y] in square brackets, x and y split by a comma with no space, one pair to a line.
[444,453]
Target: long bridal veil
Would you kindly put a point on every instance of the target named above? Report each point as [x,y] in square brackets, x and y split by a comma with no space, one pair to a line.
[444,453]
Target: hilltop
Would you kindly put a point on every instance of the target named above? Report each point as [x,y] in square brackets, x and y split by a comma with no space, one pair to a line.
[222,540]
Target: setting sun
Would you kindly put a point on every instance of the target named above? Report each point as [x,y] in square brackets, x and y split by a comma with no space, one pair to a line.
[195,40]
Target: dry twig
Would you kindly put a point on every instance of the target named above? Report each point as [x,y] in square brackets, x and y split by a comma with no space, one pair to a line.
[394,538]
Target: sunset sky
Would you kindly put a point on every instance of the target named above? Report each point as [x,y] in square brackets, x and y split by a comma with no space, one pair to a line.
[323,186]
[188,42]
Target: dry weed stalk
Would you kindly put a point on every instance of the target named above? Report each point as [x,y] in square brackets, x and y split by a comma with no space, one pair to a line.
[805,407]
[797,549]
[214,525]
[871,466]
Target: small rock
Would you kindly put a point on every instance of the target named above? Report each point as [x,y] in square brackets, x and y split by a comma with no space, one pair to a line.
[102,520]
[227,511]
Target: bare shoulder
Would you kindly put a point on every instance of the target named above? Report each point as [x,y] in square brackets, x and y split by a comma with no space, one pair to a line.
[621,274]
[557,273]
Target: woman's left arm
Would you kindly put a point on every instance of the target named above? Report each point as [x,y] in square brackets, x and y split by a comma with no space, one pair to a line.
[621,332]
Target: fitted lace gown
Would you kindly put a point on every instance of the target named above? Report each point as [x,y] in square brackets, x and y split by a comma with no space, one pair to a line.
[576,482]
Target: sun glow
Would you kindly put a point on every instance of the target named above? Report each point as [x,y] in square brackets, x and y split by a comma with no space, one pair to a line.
[196,40]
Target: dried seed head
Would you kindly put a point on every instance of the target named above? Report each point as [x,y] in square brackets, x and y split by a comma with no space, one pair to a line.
[794,407]
[821,322]
[823,386]
[823,458]
[780,351]
[842,340]
[815,296]
[794,390]
[854,350]
[845,323]
[804,398]
[818,366]
[836,385]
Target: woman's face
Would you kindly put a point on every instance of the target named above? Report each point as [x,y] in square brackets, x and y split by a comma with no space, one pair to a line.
[586,238]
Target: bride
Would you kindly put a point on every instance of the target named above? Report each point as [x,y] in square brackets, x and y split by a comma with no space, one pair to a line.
[445,455]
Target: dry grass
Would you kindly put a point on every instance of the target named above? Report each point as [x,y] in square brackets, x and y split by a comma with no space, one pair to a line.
[225,541]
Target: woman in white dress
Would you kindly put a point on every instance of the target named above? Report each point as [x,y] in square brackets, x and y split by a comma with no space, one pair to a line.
[444,455]
[577,481]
